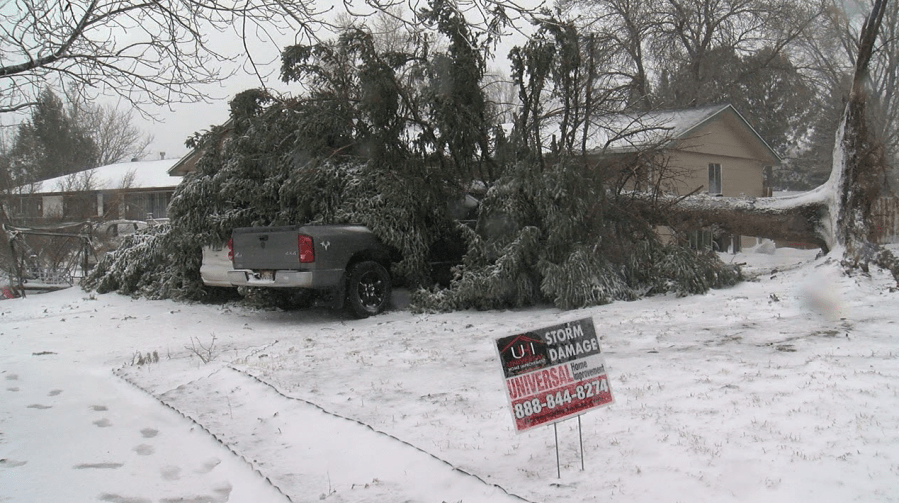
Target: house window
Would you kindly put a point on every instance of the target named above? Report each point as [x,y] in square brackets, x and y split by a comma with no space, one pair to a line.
[700,240]
[714,179]
[143,205]
[25,206]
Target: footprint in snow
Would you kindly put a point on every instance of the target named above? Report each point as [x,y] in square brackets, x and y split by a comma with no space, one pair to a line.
[224,491]
[14,388]
[11,463]
[54,392]
[103,423]
[99,408]
[171,473]
[149,432]
[209,465]
[39,406]
[117,498]
[144,450]
[195,499]
[12,377]
[98,466]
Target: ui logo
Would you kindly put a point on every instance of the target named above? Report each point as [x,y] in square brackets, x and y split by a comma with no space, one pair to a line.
[522,353]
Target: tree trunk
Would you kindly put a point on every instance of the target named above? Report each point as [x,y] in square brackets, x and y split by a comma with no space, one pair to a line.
[789,219]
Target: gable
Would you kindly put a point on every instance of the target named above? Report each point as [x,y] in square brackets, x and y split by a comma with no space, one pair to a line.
[718,130]
[726,135]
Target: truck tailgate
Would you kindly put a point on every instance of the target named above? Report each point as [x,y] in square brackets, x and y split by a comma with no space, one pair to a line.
[266,247]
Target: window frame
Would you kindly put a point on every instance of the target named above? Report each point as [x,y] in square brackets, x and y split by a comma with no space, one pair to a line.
[715,175]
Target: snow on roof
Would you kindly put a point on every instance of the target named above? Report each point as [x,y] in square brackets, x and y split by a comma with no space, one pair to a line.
[143,174]
[655,128]
[639,131]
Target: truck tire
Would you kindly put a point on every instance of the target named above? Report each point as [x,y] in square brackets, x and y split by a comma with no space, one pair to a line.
[368,289]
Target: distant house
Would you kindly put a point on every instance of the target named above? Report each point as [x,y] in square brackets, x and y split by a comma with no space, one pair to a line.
[134,190]
[714,146]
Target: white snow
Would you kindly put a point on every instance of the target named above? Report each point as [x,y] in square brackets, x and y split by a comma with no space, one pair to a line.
[781,389]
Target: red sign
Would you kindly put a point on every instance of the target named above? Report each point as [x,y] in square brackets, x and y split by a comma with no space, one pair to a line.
[553,373]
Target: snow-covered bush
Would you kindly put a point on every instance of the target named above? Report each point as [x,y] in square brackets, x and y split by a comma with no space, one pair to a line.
[154,263]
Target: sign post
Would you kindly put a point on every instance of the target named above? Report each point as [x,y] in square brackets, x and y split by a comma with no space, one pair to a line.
[553,373]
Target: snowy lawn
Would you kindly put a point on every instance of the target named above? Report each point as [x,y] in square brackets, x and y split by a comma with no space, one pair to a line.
[782,389]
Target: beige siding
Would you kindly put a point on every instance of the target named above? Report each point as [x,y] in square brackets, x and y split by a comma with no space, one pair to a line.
[727,142]
[739,177]
[726,136]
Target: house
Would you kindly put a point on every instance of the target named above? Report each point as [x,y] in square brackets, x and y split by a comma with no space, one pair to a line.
[711,150]
[138,190]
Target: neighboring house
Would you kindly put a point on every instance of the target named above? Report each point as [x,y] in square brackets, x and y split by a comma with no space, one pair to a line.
[711,150]
[716,148]
[138,190]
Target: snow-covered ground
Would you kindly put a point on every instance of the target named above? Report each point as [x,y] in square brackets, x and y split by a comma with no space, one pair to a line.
[782,389]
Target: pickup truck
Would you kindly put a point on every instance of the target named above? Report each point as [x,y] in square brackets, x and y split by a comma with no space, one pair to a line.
[344,262]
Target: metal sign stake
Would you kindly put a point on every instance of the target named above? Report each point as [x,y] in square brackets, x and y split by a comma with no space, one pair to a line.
[558,464]
[552,374]
[580,436]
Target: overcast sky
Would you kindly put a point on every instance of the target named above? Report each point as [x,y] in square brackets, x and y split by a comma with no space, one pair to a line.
[174,124]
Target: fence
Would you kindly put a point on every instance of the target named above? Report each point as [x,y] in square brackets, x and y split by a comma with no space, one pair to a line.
[885,219]
[46,258]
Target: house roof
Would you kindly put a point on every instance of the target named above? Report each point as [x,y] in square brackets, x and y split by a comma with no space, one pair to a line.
[629,133]
[185,165]
[617,133]
[146,175]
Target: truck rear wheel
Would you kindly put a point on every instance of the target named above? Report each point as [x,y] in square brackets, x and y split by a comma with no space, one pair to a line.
[368,289]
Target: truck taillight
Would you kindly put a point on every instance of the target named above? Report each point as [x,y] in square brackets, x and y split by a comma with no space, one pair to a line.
[305,249]
[230,249]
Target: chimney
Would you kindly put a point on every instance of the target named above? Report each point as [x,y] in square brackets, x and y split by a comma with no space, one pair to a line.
[162,156]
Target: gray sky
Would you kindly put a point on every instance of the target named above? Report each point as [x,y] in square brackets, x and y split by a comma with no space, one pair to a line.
[179,121]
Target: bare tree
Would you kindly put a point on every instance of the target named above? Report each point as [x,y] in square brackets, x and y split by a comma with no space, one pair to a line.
[693,34]
[883,74]
[146,52]
[501,95]
[625,28]
[113,132]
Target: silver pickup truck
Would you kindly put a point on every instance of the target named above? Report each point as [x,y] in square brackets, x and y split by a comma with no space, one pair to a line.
[345,262]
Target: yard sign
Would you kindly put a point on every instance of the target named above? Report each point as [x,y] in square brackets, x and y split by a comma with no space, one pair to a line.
[553,373]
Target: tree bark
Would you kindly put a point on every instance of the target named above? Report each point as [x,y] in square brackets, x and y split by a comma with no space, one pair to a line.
[796,218]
